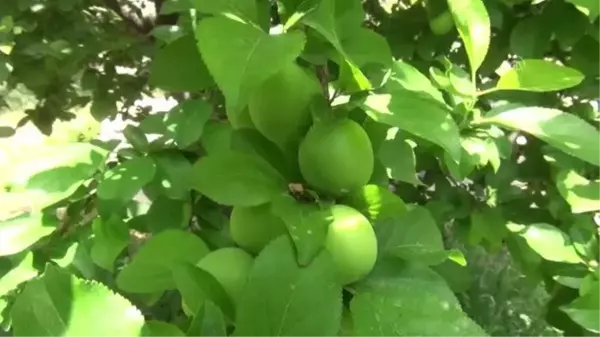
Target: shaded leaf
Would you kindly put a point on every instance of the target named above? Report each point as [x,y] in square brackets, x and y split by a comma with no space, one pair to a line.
[408,300]
[566,132]
[279,295]
[172,175]
[404,76]
[159,328]
[126,179]
[530,38]
[417,114]
[111,236]
[398,157]
[416,237]
[150,270]
[198,287]
[307,226]
[178,66]
[236,179]
[585,310]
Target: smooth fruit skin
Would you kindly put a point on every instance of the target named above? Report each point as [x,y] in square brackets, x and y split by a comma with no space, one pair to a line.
[352,243]
[442,24]
[336,157]
[253,227]
[279,108]
[230,266]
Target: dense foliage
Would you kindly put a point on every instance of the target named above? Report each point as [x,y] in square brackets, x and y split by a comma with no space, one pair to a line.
[322,160]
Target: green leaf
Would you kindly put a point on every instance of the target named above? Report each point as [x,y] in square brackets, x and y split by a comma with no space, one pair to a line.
[591,8]
[398,156]
[217,137]
[280,295]
[175,6]
[198,287]
[54,173]
[251,140]
[408,300]
[59,304]
[186,121]
[213,322]
[111,236]
[22,231]
[178,66]
[365,48]
[566,132]
[307,226]
[418,114]
[126,179]
[488,224]
[238,67]
[244,9]
[22,272]
[136,137]
[416,237]
[548,241]
[581,194]
[585,310]
[323,20]
[376,203]
[172,176]
[165,213]
[530,37]
[473,24]
[405,76]
[150,270]
[159,328]
[539,76]
[237,179]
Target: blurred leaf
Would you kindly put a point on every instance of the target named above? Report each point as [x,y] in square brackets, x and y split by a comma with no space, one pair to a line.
[53,174]
[530,38]
[22,231]
[22,272]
